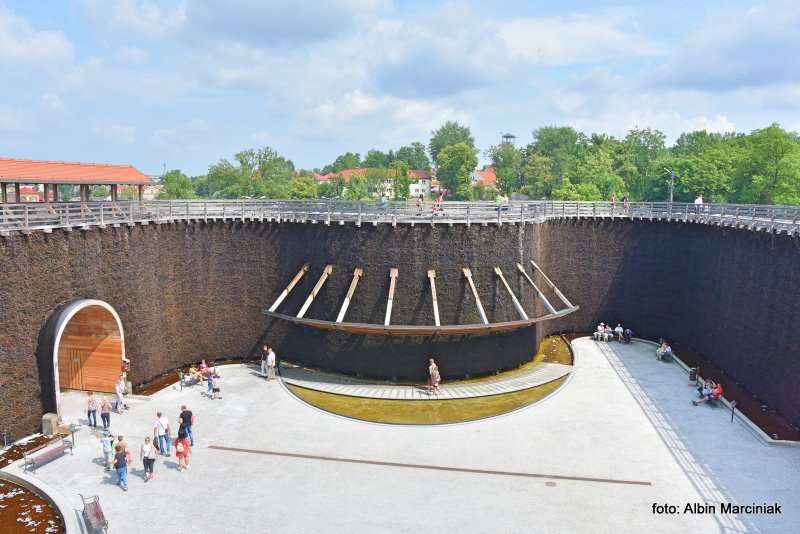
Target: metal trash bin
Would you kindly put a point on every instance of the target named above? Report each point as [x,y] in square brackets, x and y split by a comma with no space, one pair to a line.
[693,376]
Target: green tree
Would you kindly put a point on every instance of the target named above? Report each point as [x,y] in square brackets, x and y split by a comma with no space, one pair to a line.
[357,188]
[596,168]
[507,161]
[771,174]
[641,149]
[415,156]
[401,183]
[100,192]
[563,145]
[455,165]
[303,187]
[175,184]
[375,158]
[538,179]
[348,160]
[449,134]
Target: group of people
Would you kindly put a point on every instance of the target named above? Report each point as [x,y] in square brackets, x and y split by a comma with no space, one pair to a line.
[203,372]
[119,457]
[664,351]
[710,391]
[438,204]
[103,405]
[604,332]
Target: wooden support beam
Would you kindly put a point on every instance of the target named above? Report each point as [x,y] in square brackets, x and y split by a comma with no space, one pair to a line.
[4,192]
[538,291]
[285,293]
[558,293]
[357,273]
[432,278]
[468,275]
[325,273]
[392,284]
[517,305]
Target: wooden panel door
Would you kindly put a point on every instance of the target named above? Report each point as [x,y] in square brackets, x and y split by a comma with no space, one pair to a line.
[70,368]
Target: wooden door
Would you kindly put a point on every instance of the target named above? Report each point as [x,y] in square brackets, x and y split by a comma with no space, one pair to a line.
[71,369]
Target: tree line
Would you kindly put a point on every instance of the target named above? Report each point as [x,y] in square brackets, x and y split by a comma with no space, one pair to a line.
[560,163]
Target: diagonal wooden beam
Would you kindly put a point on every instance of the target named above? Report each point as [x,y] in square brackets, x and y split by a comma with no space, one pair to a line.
[285,293]
[538,291]
[357,273]
[325,273]
[558,292]
[468,275]
[517,305]
[432,278]
[392,284]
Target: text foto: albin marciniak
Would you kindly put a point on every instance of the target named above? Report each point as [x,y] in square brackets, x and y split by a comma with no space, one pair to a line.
[724,508]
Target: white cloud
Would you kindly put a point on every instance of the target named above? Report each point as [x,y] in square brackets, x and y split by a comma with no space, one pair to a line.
[52,102]
[140,16]
[11,120]
[19,43]
[718,124]
[131,54]
[576,39]
[117,133]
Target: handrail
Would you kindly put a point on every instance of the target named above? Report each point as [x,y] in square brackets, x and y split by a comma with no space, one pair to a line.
[30,217]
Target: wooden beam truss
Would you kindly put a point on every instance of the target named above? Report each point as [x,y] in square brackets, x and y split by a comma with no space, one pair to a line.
[285,293]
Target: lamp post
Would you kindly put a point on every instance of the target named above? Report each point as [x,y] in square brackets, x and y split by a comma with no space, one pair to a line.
[670,182]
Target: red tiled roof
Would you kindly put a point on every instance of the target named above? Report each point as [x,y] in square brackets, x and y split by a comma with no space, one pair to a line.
[63,172]
[419,174]
[487,176]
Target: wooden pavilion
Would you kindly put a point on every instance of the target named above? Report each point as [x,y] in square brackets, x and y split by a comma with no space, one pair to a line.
[50,174]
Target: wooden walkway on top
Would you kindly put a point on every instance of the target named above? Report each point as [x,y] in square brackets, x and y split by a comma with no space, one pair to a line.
[343,385]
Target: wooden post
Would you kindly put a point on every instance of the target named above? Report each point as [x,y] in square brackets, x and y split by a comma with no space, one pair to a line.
[46,198]
[55,192]
[17,193]
[517,305]
[113,192]
[538,291]
[432,278]
[352,289]
[468,275]
[4,192]
[140,189]
[84,193]
[325,273]
[303,270]
[392,284]
[558,293]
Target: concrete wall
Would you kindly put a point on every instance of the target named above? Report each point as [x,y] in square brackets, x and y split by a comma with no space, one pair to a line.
[185,292]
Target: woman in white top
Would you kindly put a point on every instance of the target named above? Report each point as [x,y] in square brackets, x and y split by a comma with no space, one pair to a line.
[148,455]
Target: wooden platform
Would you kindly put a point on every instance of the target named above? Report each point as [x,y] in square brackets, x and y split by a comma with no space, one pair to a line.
[418,330]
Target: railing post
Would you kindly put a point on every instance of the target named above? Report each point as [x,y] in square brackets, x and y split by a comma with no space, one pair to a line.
[130,211]
[102,219]
[170,209]
[521,214]
[359,213]
[187,211]
[205,211]
[499,209]
[25,219]
[468,215]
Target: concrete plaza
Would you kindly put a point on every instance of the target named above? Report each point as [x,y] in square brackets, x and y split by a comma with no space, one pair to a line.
[593,457]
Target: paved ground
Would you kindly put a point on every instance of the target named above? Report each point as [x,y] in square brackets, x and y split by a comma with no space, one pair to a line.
[622,419]
[331,383]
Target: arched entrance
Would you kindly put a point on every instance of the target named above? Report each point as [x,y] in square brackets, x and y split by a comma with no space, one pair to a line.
[88,346]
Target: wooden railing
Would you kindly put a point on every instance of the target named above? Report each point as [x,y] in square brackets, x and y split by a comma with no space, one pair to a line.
[67,215]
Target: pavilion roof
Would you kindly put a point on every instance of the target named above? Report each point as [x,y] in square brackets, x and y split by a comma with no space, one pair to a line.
[64,172]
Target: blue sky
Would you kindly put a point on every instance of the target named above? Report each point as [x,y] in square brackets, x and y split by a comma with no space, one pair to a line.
[186,83]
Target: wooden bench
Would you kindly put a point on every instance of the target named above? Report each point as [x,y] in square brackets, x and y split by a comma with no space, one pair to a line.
[49,451]
[93,515]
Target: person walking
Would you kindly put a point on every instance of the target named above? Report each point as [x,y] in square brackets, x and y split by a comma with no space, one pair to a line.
[148,454]
[120,390]
[91,409]
[121,465]
[161,433]
[216,380]
[264,353]
[105,413]
[182,451]
[107,442]
[209,375]
[185,422]
[270,364]
[434,376]
[420,203]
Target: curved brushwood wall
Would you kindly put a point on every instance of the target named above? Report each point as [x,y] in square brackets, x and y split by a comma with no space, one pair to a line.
[189,291]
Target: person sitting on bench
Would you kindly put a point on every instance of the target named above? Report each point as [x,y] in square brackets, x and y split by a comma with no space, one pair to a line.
[664,352]
[627,336]
[711,392]
[608,335]
[618,331]
[598,334]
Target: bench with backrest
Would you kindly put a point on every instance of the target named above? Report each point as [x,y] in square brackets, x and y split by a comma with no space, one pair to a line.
[93,515]
[49,451]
